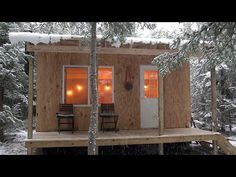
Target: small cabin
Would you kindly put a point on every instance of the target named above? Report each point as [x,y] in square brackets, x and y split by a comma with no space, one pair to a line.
[126,77]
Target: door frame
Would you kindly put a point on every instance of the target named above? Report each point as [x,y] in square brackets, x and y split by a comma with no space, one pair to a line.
[141,95]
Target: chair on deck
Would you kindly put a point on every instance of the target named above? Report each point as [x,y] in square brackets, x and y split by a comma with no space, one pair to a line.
[108,115]
[66,112]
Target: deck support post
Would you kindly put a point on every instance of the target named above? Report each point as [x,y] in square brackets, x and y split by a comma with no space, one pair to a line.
[30,102]
[161,149]
[29,151]
[161,111]
[213,106]
[215,150]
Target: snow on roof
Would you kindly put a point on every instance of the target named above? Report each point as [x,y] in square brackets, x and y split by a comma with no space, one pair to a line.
[36,38]
[148,40]
[144,40]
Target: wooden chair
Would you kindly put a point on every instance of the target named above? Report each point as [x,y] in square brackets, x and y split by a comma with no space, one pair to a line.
[108,115]
[66,111]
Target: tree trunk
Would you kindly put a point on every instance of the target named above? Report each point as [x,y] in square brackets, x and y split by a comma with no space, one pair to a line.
[222,91]
[93,126]
[1,98]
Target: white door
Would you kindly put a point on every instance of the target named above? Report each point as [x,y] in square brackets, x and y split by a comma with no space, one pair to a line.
[149,96]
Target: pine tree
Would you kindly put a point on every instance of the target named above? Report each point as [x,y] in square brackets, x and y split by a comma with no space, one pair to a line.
[13,79]
[213,41]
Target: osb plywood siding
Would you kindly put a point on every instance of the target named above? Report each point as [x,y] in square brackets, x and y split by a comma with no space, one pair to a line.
[127,103]
[177,98]
[49,88]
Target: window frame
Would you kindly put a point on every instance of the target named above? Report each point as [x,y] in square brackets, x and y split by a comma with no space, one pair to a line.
[63,82]
[89,90]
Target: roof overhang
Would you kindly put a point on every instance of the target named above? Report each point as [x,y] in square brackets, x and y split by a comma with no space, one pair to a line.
[100,50]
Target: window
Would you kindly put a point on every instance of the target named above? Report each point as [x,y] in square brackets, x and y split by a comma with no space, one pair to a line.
[76,85]
[151,84]
[105,86]
[76,88]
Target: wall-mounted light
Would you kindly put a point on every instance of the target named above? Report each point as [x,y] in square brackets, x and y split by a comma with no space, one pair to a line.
[145,87]
[107,88]
[79,87]
[69,93]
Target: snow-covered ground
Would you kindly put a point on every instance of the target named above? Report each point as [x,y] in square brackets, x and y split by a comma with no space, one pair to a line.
[14,144]
[232,140]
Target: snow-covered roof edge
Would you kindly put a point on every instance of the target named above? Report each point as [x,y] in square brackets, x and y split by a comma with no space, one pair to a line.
[36,38]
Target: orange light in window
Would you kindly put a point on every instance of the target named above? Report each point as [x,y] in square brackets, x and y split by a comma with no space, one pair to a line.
[107,88]
[69,93]
[79,87]
[151,84]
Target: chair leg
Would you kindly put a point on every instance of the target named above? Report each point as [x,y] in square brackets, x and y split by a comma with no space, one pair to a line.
[115,119]
[102,128]
[58,121]
[72,125]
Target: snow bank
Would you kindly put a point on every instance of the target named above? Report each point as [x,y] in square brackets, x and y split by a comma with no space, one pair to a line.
[36,38]
[232,140]
[15,146]
[233,143]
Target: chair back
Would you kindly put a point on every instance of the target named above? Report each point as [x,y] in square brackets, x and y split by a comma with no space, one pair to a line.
[66,108]
[107,108]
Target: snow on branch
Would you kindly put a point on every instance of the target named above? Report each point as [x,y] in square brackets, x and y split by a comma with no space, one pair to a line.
[167,61]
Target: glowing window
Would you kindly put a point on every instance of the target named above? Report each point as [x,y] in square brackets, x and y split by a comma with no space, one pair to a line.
[151,84]
[76,85]
[105,89]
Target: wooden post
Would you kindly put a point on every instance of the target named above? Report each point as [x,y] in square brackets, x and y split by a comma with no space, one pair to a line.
[161,149]
[29,151]
[215,150]
[161,111]
[161,104]
[30,103]
[213,106]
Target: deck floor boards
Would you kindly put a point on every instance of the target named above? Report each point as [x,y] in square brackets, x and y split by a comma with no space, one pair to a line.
[122,137]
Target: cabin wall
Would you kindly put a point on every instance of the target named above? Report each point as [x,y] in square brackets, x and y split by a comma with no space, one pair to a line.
[127,103]
[49,88]
[177,106]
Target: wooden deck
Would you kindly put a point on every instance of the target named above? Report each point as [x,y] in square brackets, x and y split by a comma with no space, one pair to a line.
[123,137]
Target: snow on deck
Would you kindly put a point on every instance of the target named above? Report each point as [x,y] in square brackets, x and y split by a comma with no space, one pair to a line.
[36,38]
